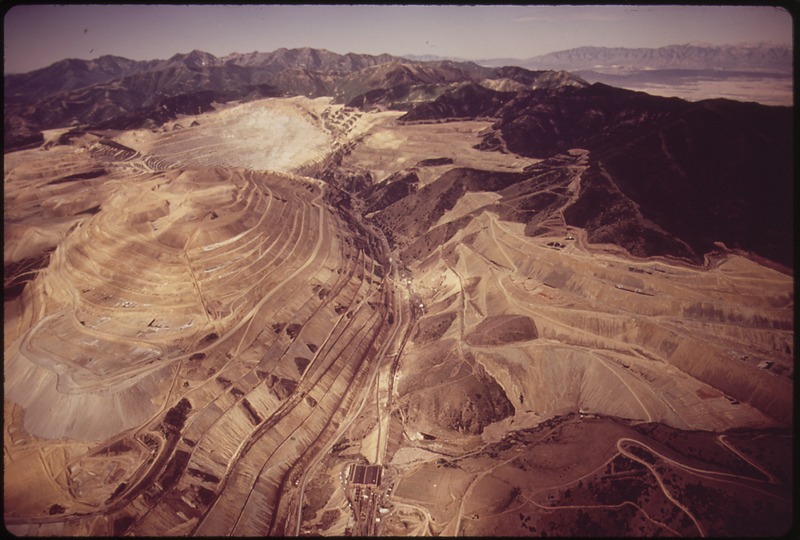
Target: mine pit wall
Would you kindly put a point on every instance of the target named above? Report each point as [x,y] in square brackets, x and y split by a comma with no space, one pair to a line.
[376,244]
[170,454]
[320,167]
[28,307]
[270,488]
[744,382]
[714,367]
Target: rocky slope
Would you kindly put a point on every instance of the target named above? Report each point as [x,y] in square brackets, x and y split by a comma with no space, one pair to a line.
[674,177]
[116,93]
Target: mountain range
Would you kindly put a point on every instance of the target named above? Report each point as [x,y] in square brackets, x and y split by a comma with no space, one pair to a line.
[760,72]
[114,92]
[762,57]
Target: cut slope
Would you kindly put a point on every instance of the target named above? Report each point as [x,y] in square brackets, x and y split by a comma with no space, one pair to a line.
[502,330]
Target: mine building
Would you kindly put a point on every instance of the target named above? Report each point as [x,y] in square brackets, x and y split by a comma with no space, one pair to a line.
[366,475]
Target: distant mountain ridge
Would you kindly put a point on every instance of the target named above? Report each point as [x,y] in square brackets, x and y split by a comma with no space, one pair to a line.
[754,57]
[71,74]
[117,93]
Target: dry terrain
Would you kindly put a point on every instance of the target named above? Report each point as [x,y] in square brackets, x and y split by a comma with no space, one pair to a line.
[200,340]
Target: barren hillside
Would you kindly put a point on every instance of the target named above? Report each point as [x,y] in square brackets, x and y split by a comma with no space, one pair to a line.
[291,316]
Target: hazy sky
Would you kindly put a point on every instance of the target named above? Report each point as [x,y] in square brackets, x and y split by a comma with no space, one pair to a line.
[38,35]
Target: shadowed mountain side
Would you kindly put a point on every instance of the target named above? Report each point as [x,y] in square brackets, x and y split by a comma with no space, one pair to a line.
[320,60]
[401,96]
[20,132]
[69,74]
[537,198]
[447,95]
[502,329]
[394,188]
[481,100]
[721,171]
[466,101]
[404,76]
[610,217]
[253,68]
[430,203]
[712,171]
[541,79]
[130,103]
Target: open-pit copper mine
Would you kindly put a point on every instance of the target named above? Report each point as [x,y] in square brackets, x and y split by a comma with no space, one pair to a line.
[204,337]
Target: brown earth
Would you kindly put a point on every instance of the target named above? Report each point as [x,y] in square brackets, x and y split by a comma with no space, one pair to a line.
[501,330]
[198,332]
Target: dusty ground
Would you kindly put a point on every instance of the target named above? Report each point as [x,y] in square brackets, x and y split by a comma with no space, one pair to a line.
[203,343]
[560,328]
[390,147]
